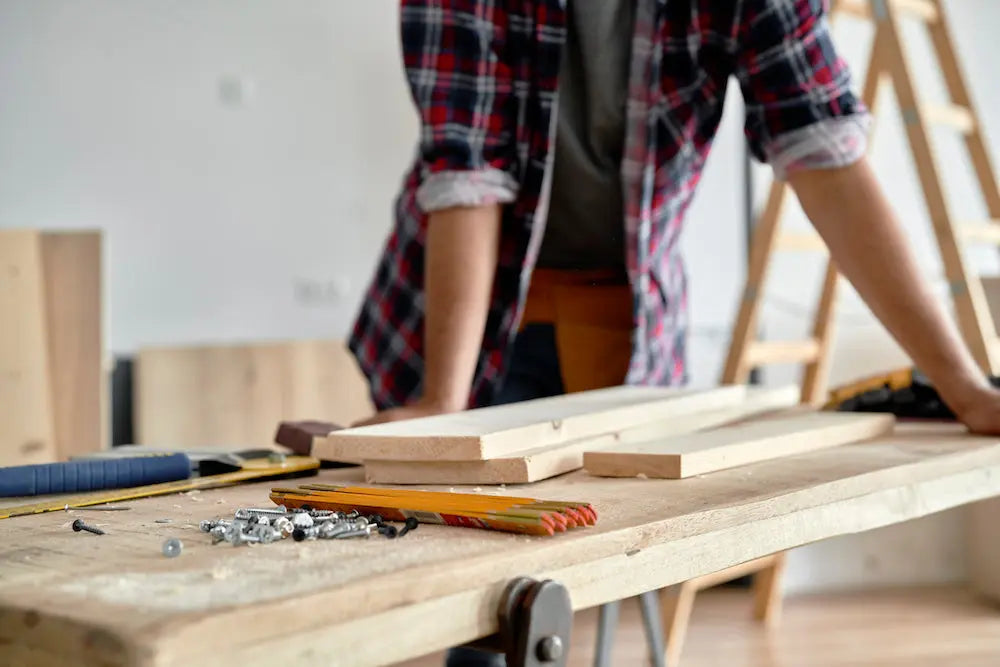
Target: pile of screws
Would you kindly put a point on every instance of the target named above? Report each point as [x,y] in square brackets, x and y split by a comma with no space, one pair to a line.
[260,525]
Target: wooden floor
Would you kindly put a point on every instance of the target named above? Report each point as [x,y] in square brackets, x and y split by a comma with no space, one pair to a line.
[912,627]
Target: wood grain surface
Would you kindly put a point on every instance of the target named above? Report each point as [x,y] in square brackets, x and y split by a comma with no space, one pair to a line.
[27,431]
[545,462]
[114,599]
[730,446]
[74,284]
[498,431]
[236,395]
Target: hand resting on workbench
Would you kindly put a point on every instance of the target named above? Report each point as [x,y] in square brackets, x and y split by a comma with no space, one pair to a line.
[869,247]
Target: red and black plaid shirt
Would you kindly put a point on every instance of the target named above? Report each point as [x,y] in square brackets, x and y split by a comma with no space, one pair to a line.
[483,75]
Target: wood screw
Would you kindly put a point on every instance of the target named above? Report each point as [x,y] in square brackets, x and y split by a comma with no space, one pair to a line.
[411,524]
[79,525]
[360,532]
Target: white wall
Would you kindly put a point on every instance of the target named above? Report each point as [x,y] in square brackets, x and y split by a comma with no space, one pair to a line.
[216,212]
[247,218]
[242,158]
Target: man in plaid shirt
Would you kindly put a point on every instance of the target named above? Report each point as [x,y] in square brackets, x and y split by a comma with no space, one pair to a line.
[561,142]
[507,185]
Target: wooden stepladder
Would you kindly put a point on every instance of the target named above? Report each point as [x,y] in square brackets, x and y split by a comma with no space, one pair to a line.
[888,65]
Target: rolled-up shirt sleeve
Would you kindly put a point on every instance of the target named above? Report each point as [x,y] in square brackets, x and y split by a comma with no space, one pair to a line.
[462,86]
[446,189]
[801,111]
[826,144]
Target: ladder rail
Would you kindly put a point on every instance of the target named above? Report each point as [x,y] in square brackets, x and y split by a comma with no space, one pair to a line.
[971,308]
[954,79]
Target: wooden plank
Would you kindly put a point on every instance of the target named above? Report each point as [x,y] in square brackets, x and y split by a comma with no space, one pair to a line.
[923,9]
[951,115]
[26,418]
[710,451]
[987,232]
[545,462]
[783,352]
[498,431]
[69,598]
[71,263]
[801,241]
[234,395]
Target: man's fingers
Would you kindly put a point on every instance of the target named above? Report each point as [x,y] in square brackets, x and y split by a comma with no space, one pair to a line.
[378,418]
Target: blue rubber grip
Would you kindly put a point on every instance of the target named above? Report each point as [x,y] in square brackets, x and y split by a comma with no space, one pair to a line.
[79,476]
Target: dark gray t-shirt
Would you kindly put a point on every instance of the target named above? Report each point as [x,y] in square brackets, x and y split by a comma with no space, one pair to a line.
[585,227]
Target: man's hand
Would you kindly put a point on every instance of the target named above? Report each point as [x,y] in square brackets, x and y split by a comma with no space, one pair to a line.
[980,411]
[868,246]
[418,409]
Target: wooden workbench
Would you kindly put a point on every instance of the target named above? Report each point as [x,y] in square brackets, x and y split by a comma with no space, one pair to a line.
[77,598]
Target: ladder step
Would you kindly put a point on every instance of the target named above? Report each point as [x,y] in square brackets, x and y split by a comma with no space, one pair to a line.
[988,232]
[951,115]
[924,9]
[800,241]
[783,352]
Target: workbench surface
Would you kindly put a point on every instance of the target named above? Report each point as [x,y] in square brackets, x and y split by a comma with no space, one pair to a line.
[77,598]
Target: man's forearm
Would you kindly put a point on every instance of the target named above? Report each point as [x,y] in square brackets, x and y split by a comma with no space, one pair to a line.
[867,244]
[460,264]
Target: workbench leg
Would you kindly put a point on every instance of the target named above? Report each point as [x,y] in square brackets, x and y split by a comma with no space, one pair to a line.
[649,605]
[767,591]
[677,603]
[607,622]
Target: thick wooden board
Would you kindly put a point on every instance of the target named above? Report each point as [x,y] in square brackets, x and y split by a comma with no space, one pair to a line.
[74,598]
[236,395]
[732,446]
[26,415]
[73,296]
[498,431]
[545,462]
